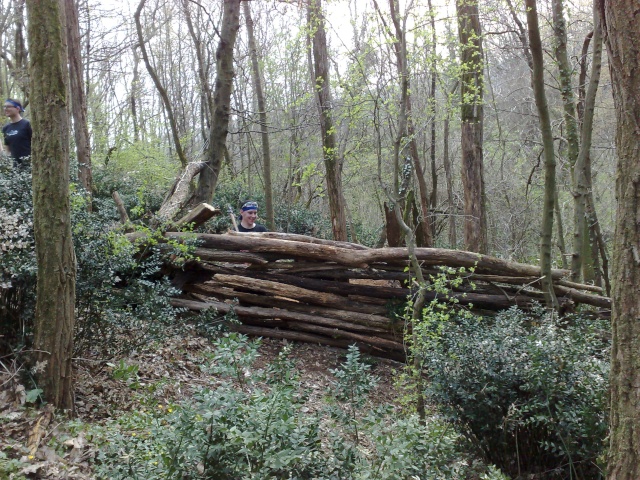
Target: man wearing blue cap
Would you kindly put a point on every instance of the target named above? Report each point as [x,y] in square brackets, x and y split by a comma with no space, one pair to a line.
[17,133]
[248,215]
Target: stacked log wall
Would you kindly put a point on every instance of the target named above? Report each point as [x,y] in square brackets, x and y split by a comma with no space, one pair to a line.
[338,293]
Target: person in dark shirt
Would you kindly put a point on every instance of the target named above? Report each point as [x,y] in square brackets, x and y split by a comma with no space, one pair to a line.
[17,133]
[248,216]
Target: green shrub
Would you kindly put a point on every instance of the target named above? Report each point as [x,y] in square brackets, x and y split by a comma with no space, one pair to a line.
[262,427]
[122,300]
[17,256]
[122,296]
[528,390]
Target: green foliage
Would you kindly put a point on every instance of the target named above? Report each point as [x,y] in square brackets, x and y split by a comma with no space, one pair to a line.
[122,299]
[261,427]
[120,289]
[125,373]
[139,197]
[17,257]
[528,390]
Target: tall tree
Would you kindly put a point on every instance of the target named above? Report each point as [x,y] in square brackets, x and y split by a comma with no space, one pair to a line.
[537,81]
[406,128]
[256,76]
[332,160]
[596,249]
[162,91]
[472,120]
[78,98]
[221,102]
[56,262]
[621,30]
[571,136]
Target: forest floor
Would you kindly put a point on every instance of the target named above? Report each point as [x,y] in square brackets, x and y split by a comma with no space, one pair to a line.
[36,442]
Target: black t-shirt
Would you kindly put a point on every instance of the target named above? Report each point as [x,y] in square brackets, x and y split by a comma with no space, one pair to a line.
[256,228]
[17,136]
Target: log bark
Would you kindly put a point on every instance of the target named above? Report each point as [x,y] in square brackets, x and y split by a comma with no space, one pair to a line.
[122,211]
[361,259]
[208,255]
[297,293]
[287,316]
[215,289]
[197,216]
[177,197]
[306,239]
[309,338]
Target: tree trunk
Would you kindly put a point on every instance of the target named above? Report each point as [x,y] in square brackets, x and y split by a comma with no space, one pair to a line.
[133,96]
[20,67]
[446,160]
[262,112]
[406,130]
[56,262]
[471,116]
[206,97]
[433,72]
[537,82]
[561,245]
[332,160]
[221,102]
[571,136]
[621,30]
[161,90]
[78,99]
[584,157]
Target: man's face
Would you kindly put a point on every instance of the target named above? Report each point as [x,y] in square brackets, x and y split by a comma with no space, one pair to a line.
[249,216]
[10,110]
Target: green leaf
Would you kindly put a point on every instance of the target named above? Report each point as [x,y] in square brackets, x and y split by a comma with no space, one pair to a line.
[32,395]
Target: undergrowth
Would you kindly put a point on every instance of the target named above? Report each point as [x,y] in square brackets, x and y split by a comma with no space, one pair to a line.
[258,424]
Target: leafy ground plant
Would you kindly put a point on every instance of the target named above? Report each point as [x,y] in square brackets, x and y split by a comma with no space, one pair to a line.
[528,389]
[258,424]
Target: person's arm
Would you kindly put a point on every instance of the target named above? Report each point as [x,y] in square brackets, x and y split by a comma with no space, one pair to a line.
[6,145]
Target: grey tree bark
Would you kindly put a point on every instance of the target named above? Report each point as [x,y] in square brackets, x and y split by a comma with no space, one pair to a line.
[55,302]
[262,112]
[221,102]
[535,45]
[332,160]
[621,30]
[472,120]
[78,98]
[571,137]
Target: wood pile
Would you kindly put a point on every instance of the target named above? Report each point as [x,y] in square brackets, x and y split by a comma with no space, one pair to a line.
[337,293]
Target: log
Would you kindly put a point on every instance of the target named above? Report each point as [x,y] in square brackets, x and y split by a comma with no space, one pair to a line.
[343,273]
[288,318]
[297,293]
[582,297]
[363,258]
[209,255]
[213,289]
[122,211]
[580,286]
[484,301]
[317,339]
[534,281]
[251,242]
[196,216]
[307,239]
[298,324]
[339,288]
[179,192]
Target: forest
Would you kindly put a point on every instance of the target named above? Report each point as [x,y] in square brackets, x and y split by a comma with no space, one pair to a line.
[448,284]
